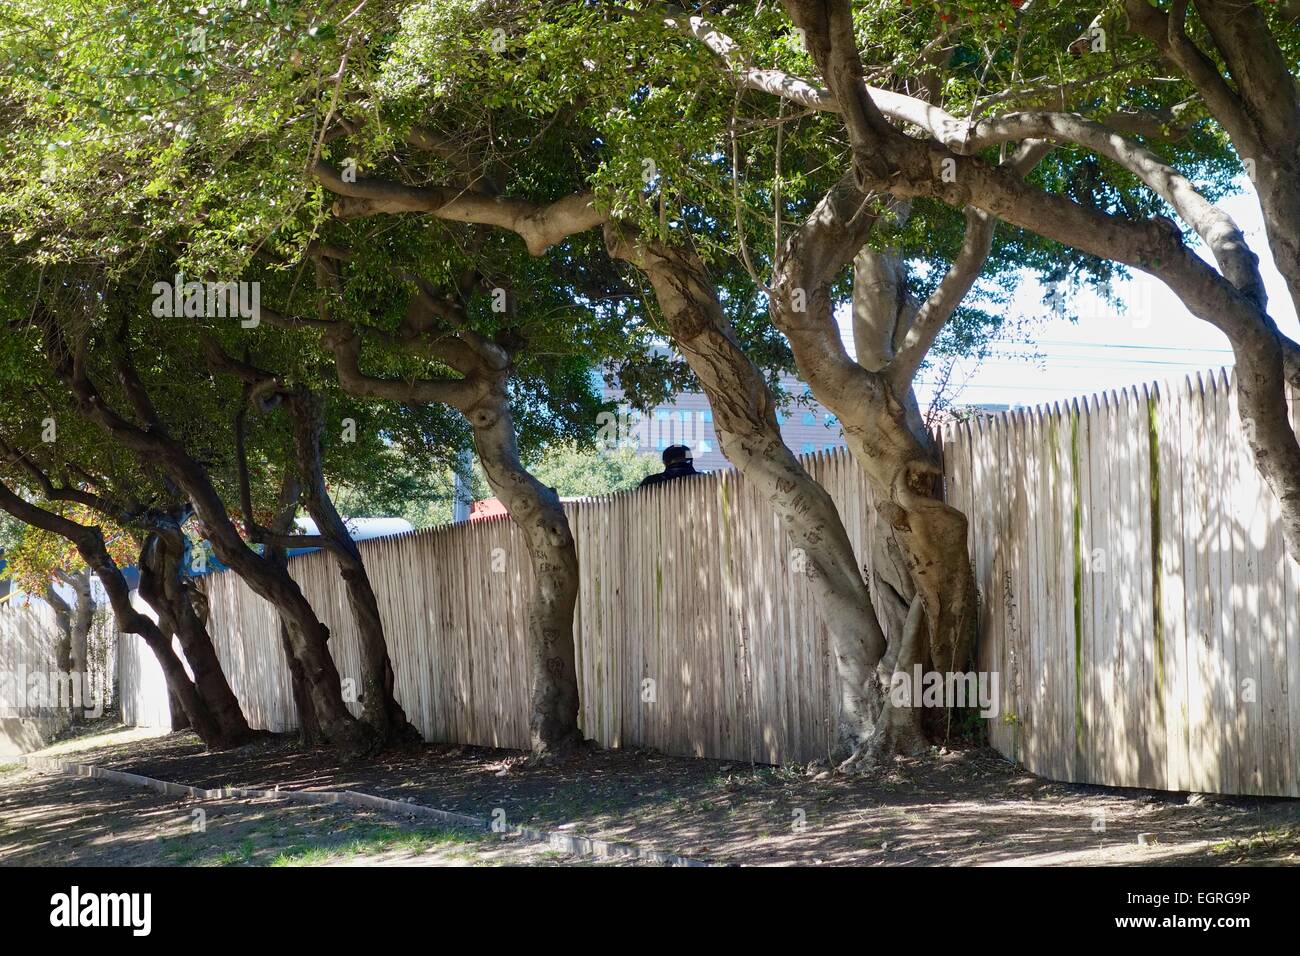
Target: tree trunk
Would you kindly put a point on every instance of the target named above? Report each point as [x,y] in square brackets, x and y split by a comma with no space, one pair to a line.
[923,564]
[899,728]
[924,557]
[89,542]
[744,414]
[482,395]
[62,617]
[906,480]
[179,685]
[83,616]
[63,651]
[380,709]
[536,510]
[163,587]
[74,626]
[306,632]
[309,732]
[180,721]
[308,636]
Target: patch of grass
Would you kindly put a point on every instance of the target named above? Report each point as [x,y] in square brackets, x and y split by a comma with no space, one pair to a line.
[181,851]
[1274,841]
[306,856]
[234,857]
[375,839]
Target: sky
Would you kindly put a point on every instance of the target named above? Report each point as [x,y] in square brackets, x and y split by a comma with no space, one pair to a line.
[1093,348]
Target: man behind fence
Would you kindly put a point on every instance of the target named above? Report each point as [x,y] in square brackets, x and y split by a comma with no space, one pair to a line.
[677,464]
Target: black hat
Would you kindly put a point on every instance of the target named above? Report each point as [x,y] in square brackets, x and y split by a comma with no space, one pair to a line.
[675,454]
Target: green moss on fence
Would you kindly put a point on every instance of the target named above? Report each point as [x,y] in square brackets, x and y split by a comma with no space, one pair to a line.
[1077,522]
[1157,587]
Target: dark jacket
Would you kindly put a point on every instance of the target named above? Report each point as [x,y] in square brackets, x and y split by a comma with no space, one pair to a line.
[680,470]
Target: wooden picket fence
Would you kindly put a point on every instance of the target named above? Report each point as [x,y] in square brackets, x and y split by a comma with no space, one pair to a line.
[1138,601]
[696,629]
[29,636]
[29,644]
[1137,607]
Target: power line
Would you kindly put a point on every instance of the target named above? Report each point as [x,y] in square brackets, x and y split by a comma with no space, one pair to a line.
[1153,348]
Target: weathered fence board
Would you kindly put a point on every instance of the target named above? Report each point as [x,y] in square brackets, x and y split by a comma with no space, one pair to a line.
[1179,626]
[29,640]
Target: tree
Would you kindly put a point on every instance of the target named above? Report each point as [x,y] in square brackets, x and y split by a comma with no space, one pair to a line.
[306,413]
[548,115]
[78,360]
[955,67]
[578,472]
[247,173]
[37,562]
[440,327]
[77,484]
[90,545]
[463,156]
[949,161]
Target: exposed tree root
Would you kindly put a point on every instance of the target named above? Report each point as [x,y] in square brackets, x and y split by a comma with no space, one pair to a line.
[569,746]
[897,730]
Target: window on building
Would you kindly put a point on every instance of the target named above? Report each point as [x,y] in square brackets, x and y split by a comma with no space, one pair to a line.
[706,415]
[661,414]
[809,418]
[831,421]
[704,447]
[808,448]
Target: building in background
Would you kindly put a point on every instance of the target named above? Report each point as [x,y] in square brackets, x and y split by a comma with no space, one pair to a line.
[687,420]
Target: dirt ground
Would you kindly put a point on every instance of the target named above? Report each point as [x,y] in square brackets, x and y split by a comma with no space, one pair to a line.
[965,807]
[53,820]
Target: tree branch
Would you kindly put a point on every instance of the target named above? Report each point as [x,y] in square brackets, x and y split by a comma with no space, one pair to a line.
[540,226]
[943,301]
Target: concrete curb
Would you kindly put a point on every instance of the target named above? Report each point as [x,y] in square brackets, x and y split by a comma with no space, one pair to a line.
[564,842]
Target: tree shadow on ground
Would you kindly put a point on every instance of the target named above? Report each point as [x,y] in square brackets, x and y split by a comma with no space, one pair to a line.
[965,807]
[56,820]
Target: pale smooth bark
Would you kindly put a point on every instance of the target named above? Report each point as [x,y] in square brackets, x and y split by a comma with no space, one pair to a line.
[744,417]
[536,510]
[482,396]
[924,578]
[539,226]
